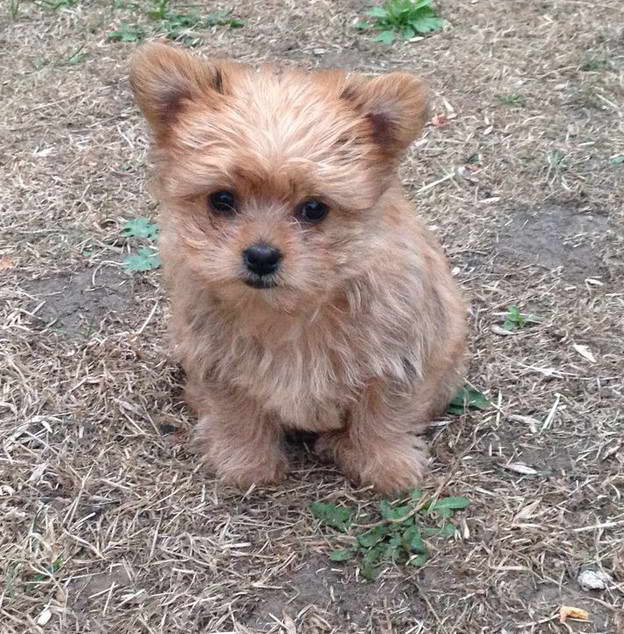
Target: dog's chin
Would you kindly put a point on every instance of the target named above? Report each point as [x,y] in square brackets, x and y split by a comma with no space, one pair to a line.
[260,283]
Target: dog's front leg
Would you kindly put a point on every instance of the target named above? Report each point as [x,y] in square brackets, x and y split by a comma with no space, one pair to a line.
[243,444]
[379,444]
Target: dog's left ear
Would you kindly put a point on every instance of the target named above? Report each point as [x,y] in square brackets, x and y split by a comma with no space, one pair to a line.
[396,105]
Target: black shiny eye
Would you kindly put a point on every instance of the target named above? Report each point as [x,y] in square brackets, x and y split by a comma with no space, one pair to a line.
[223,202]
[312,210]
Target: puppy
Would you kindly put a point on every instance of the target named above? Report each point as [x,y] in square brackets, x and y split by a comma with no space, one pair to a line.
[306,293]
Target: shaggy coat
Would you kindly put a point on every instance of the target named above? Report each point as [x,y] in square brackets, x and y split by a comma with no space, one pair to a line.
[361,337]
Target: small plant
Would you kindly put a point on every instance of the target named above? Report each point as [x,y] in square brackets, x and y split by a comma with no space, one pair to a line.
[14,8]
[140,228]
[618,159]
[54,567]
[55,6]
[77,57]
[223,18]
[465,399]
[514,319]
[144,258]
[127,33]
[512,100]
[176,26]
[405,18]
[398,537]
[592,64]
[556,160]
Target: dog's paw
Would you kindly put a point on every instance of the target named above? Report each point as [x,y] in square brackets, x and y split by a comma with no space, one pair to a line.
[390,467]
[244,476]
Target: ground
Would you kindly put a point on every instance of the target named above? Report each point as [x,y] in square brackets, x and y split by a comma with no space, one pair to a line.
[109,521]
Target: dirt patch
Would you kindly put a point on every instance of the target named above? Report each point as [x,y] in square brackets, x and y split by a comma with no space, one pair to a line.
[557,237]
[315,590]
[78,303]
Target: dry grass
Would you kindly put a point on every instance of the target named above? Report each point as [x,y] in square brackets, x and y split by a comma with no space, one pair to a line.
[108,521]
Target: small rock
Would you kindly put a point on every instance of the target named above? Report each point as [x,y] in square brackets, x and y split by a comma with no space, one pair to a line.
[44,617]
[590,579]
[498,330]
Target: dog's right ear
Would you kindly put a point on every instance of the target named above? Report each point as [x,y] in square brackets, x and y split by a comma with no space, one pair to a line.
[165,80]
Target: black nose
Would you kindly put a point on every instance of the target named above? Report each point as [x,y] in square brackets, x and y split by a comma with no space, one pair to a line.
[261,258]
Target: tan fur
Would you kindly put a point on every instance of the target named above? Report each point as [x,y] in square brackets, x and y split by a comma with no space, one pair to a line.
[363,338]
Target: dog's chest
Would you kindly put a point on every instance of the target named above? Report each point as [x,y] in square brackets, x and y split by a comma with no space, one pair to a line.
[306,381]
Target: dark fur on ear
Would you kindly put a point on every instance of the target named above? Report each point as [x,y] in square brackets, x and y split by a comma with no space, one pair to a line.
[164,79]
[396,105]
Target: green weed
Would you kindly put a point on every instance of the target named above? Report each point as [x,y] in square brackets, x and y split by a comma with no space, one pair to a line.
[556,160]
[177,26]
[592,64]
[127,33]
[143,258]
[404,18]
[55,566]
[514,319]
[467,398]
[512,100]
[398,537]
[14,7]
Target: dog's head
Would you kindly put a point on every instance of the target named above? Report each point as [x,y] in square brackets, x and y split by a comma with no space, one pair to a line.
[272,178]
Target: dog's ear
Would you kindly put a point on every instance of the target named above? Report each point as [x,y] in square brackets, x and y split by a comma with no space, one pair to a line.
[396,106]
[165,80]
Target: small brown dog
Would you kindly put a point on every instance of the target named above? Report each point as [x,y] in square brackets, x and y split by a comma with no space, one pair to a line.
[306,294]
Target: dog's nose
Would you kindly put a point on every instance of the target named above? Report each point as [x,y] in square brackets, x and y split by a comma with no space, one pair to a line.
[262,258]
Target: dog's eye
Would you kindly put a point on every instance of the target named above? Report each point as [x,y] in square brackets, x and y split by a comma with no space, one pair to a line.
[223,202]
[312,210]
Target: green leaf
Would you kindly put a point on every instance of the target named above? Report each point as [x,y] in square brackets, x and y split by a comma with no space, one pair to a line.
[373,555]
[385,37]
[412,540]
[556,159]
[140,228]
[427,23]
[127,33]
[467,398]
[341,555]
[617,160]
[338,517]
[415,495]
[222,18]
[515,319]
[145,259]
[362,26]
[447,530]
[372,537]
[446,507]
[454,503]
[369,572]
[392,548]
[388,512]
[377,12]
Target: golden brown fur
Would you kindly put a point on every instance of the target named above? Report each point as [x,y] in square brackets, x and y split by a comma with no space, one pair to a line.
[362,339]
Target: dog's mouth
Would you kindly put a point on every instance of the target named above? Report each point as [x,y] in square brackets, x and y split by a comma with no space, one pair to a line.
[260,282]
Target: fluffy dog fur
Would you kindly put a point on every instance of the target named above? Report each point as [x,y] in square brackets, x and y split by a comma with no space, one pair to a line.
[362,338]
